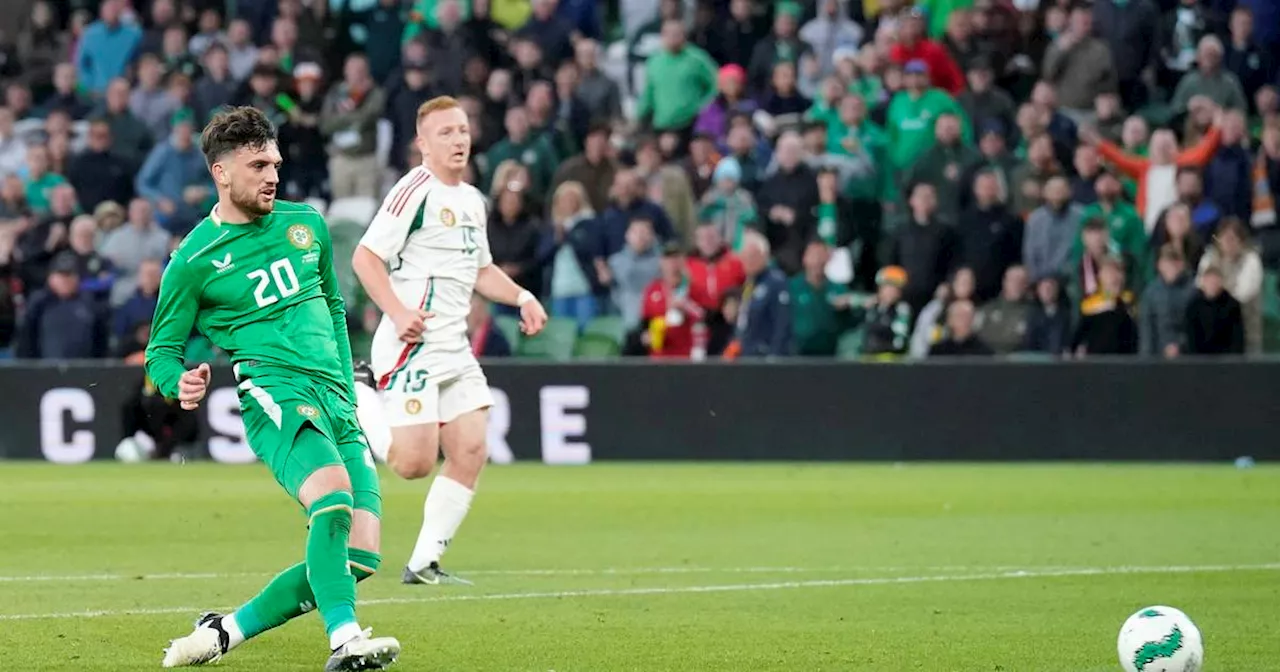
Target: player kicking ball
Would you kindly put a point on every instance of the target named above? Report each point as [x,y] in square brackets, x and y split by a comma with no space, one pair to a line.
[256,277]
[431,230]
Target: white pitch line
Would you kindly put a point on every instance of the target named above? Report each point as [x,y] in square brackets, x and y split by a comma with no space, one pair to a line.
[610,571]
[724,588]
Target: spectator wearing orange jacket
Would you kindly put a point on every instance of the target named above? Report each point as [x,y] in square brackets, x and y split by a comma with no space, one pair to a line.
[1157,174]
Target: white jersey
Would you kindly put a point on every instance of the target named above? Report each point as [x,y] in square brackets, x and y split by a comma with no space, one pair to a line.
[434,238]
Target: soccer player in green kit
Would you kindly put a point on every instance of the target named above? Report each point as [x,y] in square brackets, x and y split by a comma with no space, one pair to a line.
[256,277]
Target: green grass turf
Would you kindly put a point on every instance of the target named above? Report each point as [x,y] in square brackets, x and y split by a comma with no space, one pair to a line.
[839,536]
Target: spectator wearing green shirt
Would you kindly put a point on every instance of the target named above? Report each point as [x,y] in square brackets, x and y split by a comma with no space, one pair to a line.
[680,80]
[819,308]
[912,113]
[40,181]
[851,226]
[943,166]
[939,12]
[523,146]
[1122,221]
[424,17]
[853,134]
[826,106]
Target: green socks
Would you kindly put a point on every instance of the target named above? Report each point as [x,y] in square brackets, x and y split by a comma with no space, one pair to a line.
[290,594]
[327,569]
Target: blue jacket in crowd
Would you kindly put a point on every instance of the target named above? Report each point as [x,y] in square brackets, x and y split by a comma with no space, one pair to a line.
[764,323]
[105,51]
[1228,181]
[611,229]
[58,328]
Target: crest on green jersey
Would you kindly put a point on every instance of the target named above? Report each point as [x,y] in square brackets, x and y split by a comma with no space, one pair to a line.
[308,411]
[300,235]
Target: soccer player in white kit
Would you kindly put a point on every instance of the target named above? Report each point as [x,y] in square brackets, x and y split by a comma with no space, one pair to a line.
[431,231]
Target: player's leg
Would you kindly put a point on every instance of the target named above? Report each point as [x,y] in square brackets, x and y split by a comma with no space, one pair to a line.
[370,413]
[366,525]
[289,594]
[410,406]
[327,496]
[464,404]
[311,469]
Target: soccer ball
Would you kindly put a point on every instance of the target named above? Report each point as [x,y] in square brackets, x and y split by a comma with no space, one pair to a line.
[131,450]
[1160,639]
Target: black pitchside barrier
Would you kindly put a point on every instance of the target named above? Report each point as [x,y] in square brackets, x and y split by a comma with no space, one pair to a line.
[573,414]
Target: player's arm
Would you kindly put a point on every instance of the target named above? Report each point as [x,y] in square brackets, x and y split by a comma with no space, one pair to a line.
[337,309]
[175,314]
[495,285]
[384,240]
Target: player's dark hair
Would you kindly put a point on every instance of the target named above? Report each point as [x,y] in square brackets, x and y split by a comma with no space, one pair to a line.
[233,129]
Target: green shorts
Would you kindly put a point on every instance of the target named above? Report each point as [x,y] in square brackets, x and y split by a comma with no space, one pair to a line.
[276,410]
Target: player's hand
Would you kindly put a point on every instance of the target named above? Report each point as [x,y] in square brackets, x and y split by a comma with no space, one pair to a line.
[192,386]
[411,324]
[532,317]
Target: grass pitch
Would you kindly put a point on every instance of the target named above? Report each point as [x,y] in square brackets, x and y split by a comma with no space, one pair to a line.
[623,567]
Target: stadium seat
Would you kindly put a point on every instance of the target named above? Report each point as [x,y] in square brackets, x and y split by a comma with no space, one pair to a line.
[358,209]
[1030,357]
[556,341]
[850,345]
[1271,334]
[1271,294]
[596,346]
[510,327]
[611,327]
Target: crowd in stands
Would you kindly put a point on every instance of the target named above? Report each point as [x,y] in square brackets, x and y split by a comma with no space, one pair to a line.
[689,178]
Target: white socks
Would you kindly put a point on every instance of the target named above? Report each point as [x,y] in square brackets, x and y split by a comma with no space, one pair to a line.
[447,504]
[343,634]
[235,636]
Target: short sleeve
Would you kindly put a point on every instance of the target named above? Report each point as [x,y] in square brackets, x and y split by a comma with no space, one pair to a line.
[390,228]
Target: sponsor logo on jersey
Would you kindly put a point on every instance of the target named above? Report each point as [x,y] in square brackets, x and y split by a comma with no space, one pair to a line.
[224,264]
[308,411]
[300,235]
[447,217]
[413,407]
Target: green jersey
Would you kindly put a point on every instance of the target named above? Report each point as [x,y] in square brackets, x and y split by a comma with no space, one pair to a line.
[264,292]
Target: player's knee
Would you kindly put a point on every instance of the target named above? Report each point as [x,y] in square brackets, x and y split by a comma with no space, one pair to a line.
[326,483]
[470,451]
[411,462]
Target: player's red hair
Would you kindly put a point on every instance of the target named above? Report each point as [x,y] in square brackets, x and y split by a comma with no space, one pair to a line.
[437,104]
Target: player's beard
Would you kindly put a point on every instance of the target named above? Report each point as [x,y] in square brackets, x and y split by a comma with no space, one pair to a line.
[249,201]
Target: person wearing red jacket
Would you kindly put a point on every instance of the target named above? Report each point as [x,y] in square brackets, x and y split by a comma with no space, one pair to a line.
[668,313]
[714,270]
[912,45]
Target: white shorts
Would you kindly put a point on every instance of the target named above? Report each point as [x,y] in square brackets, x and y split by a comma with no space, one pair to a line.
[432,388]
